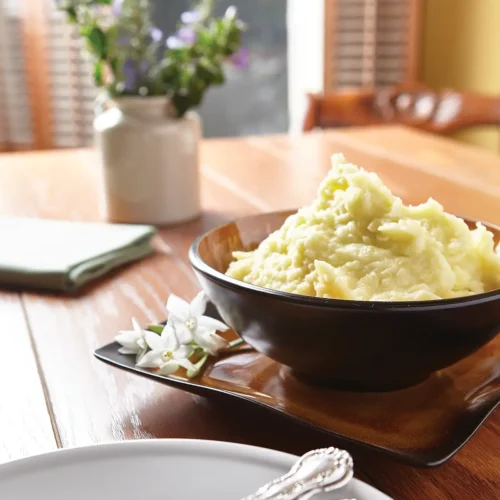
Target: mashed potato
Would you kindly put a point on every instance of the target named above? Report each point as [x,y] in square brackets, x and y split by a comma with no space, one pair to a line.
[358,241]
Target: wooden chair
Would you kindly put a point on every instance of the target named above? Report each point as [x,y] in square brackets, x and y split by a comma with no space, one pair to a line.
[414,105]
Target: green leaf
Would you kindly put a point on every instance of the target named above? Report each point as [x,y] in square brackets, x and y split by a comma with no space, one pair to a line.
[98,74]
[181,103]
[205,38]
[113,62]
[72,15]
[156,329]
[210,72]
[97,41]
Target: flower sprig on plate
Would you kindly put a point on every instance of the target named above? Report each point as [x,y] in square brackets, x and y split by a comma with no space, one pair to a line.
[186,341]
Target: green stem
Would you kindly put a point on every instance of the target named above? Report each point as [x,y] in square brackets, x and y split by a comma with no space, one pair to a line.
[194,372]
[235,343]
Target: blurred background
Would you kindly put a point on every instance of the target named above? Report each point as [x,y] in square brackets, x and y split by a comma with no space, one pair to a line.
[47,97]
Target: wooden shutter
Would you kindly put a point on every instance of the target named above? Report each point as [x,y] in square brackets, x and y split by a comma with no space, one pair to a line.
[46,92]
[16,130]
[72,91]
[371,43]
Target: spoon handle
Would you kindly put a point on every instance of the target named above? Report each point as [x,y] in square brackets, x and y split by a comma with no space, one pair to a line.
[318,471]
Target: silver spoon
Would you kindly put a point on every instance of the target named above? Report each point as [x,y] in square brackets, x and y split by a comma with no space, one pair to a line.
[318,471]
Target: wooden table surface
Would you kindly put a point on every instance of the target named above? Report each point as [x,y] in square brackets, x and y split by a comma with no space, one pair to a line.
[54,393]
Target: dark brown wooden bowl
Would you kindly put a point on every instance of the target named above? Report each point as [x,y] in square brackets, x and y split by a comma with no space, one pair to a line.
[355,345]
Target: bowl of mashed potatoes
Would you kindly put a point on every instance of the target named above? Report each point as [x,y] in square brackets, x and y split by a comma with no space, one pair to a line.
[356,289]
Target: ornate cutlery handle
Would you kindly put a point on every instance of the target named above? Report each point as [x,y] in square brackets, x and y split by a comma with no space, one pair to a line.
[318,471]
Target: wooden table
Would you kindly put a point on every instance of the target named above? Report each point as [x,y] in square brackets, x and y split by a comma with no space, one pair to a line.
[53,393]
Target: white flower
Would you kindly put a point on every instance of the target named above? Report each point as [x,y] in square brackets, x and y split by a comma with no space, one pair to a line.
[190,324]
[166,352]
[210,341]
[174,42]
[231,12]
[132,341]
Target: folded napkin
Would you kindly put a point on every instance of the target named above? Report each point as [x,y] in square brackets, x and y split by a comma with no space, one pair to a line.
[65,255]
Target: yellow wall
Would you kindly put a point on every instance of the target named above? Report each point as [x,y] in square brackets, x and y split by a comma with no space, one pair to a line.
[461,50]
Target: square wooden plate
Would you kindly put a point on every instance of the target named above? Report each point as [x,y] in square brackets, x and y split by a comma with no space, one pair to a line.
[424,425]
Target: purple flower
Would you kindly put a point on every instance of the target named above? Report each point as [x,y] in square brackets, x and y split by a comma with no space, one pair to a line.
[116,8]
[240,58]
[190,17]
[131,74]
[133,71]
[156,34]
[187,35]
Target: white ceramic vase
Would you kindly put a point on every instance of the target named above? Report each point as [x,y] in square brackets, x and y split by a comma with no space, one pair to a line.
[149,162]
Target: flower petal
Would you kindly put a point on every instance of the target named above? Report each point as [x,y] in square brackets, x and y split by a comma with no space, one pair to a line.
[210,341]
[174,43]
[137,326]
[154,341]
[183,333]
[207,323]
[127,339]
[198,305]
[126,336]
[241,58]
[185,363]
[169,367]
[183,352]
[190,17]
[156,34]
[127,350]
[116,7]
[152,359]
[130,72]
[140,355]
[187,35]
[178,307]
[169,338]
[231,12]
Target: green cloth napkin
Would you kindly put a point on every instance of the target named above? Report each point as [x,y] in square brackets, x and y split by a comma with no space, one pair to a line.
[65,255]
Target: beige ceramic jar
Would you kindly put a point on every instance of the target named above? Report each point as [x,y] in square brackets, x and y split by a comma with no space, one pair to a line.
[149,162]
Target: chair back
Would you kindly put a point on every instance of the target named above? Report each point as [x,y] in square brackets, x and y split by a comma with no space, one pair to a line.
[414,105]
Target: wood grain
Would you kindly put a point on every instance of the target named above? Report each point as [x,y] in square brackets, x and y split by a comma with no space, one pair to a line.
[24,417]
[92,402]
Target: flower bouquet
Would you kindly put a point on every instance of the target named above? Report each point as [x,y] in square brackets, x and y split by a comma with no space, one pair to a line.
[132,57]
[146,130]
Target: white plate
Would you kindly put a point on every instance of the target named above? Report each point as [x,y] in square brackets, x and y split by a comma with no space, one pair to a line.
[170,469]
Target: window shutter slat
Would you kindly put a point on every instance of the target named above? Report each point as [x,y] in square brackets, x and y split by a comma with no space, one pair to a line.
[72,91]
[370,42]
[46,93]
[34,46]
[15,114]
